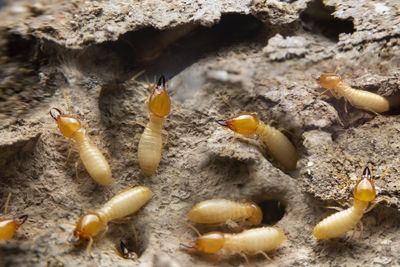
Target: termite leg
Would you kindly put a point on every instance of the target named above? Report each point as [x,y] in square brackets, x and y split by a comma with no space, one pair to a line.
[265,255]
[245,257]
[69,154]
[165,140]
[383,199]
[89,245]
[361,230]
[136,235]
[76,169]
[334,208]
[228,148]
[103,233]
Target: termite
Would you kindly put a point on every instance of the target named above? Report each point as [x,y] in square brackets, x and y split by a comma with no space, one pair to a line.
[120,206]
[341,222]
[150,144]
[361,99]
[94,161]
[8,227]
[216,211]
[249,242]
[278,144]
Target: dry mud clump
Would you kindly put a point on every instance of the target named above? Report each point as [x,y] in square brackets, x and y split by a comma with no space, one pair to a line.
[253,53]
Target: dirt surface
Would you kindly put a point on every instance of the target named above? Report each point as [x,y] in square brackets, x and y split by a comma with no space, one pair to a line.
[255,53]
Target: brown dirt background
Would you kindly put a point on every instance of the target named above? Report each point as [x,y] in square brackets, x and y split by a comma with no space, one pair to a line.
[252,52]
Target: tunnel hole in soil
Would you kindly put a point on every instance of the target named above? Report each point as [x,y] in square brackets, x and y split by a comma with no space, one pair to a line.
[273,210]
[125,232]
[319,19]
[170,51]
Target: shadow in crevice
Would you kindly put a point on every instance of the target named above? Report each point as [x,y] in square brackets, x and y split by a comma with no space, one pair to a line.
[273,210]
[166,52]
[319,19]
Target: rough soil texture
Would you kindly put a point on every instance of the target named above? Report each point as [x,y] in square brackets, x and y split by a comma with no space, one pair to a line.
[253,53]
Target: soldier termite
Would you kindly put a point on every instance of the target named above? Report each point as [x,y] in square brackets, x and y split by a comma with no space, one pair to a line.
[249,242]
[361,99]
[216,211]
[278,144]
[94,161]
[120,206]
[150,144]
[8,227]
[341,222]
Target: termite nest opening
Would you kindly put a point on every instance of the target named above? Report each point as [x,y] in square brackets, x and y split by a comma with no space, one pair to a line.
[133,236]
[166,51]
[318,18]
[273,210]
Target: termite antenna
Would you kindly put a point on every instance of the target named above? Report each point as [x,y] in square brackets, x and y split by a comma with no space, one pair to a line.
[192,227]
[226,102]
[185,245]
[55,117]
[22,219]
[221,122]
[7,202]
[310,77]
[161,82]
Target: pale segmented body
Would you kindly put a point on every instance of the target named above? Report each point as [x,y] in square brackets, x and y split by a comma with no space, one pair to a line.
[278,145]
[121,205]
[341,222]
[364,99]
[94,161]
[253,241]
[221,210]
[150,145]
[248,242]
[357,98]
[124,204]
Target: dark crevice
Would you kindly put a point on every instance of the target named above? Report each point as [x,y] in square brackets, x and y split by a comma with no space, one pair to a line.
[167,52]
[273,210]
[318,18]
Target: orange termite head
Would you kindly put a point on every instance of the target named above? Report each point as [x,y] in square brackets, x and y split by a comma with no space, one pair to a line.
[365,189]
[329,80]
[208,243]
[159,102]
[88,226]
[10,226]
[245,123]
[126,254]
[67,124]
[256,217]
